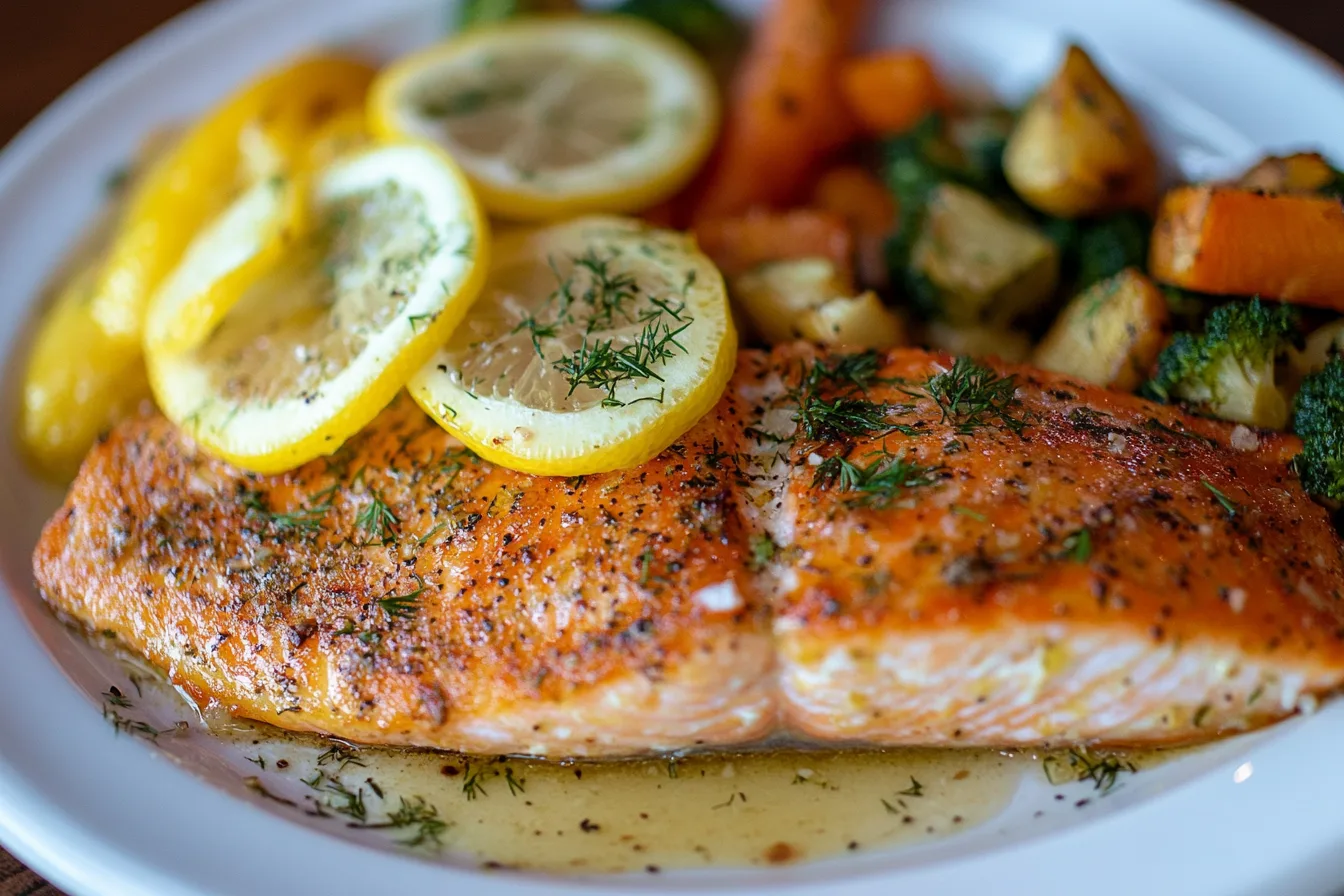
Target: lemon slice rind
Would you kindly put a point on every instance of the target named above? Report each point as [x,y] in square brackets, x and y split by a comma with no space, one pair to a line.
[274,433]
[649,413]
[656,139]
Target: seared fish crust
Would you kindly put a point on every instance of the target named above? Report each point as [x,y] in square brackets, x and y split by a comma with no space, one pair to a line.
[1013,559]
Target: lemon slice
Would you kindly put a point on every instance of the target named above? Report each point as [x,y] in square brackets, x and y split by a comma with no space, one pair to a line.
[255,133]
[595,344]
[230,252]
[553,117]
[319,343]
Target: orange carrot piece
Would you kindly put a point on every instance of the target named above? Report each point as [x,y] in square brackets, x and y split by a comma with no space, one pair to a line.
[868,207]
[738,244]
[888,93]
[1230,241]
[856,195]
[785,113]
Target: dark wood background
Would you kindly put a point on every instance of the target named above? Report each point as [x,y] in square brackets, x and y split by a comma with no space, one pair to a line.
[47,46]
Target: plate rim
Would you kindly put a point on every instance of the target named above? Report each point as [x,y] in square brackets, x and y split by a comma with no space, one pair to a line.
[72,852]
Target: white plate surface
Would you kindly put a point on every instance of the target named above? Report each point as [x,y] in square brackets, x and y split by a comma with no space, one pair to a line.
[111,815]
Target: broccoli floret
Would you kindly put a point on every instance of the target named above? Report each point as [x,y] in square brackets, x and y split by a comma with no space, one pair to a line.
[1318,417]
[1228,370]
[704,24]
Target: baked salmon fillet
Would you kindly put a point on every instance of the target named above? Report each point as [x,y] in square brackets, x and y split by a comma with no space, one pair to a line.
[883,549]
[403,591]
[975,555]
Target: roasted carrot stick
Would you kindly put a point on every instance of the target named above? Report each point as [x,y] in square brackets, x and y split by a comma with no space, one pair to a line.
[869,209]
[1231,241]
[785,113]
[738,244]
[888,93]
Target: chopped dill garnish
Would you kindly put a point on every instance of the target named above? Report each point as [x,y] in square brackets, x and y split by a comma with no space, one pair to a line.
[344,801]
[419,817]
[763,549]
[915,788]
[1222,499]
[878,484]
[1079,545]
[415,320]
[972,396]
[472,785]
[377,521]
[1103,772]
[645,559]
[597,365]
[114,696]
[341,756]
[829,421]
[424,539]
[126,725]
[515,784]
[969,513]
[402,606]
[891,810]
[307,518]
[850,413]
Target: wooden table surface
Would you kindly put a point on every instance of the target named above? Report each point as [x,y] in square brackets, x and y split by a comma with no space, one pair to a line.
[45,47]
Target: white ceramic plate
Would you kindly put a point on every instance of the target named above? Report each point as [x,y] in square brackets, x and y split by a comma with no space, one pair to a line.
[101,814]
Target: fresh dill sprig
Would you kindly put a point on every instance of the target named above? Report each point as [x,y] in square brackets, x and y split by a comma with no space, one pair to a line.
[422,819]
[472,785]
[377,521]
[600,366]
[1079,545]
[339,755]
[850,413]
[878,484]
[307,518]
[1104,771]
[344,801]
[972,396]
[915,788]
[823,420]
[1228,504]
[402,606]
[763,549]
[114,696]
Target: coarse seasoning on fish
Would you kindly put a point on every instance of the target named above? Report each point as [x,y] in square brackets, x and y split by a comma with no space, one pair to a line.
[973,554]
[897,548]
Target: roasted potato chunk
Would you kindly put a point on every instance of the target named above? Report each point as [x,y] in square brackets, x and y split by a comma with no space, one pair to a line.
[774,295]
[985,266]
[1078,149]
[852,323]
[1110,334]
[1301,172]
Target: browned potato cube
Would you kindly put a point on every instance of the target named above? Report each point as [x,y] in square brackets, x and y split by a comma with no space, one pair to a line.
[1111,334]
[1078,149]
